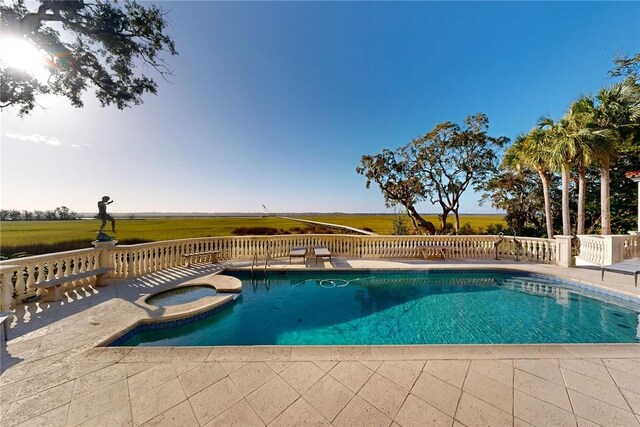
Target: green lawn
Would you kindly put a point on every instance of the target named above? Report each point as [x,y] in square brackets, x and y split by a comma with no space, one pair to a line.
[47,236]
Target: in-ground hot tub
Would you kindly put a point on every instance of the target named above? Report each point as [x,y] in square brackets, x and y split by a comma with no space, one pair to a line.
[181,295]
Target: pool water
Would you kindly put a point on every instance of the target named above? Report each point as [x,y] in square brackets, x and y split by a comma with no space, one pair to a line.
[383,307]
[181,295]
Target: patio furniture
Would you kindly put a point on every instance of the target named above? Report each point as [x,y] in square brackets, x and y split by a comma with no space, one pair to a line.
[4,321]
[55,288]
[321,252]
[433,252]
[214,256]
[625,267]
[297,252]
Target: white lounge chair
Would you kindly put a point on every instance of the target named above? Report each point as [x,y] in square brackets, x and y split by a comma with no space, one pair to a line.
[297,252]
[321,252]
[625,267]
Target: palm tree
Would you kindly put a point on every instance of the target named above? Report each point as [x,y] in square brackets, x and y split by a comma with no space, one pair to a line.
[560,155]
[530,151]
[617,117]
[580,137]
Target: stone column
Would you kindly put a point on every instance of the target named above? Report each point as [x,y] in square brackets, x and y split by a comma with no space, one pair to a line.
[105,259]
[564,257]
[613,249]
[6,286]
[635,176]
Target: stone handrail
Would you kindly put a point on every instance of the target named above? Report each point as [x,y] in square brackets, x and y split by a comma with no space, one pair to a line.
[592,250]
[607,250]
[18,276]
[632,246]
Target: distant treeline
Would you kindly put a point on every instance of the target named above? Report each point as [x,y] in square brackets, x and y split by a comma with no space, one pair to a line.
[61,213]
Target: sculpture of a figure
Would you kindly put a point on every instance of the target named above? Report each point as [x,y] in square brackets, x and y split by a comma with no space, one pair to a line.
[518,246]
[496,243]
[103,215]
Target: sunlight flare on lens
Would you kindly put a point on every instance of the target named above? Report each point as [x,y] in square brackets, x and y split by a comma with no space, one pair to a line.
[20,54]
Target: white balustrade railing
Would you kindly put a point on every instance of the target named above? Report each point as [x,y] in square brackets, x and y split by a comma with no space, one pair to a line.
[592,249]
[18,277]
[632,246]
[608,249]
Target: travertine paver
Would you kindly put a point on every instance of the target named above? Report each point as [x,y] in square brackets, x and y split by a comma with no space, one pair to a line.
[537,412]
[545,369]
[251,376]
[541,389]
[93,404]
[451,371]
[359,412]
[214,400]
[154,402]
[495,369]
[352,374]
[201,377]
[402,373]
[300,413]
[328,396]
[385,395]
[54,376]
[491,391]
[302,375]
[417,413]
[600,412]
[272,398]
[239,415]
[474,412]
[180,415]
[437,393]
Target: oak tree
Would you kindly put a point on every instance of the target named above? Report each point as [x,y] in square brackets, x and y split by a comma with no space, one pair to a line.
[99,44]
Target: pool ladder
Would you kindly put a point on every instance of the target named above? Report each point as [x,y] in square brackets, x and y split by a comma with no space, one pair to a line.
[254,263]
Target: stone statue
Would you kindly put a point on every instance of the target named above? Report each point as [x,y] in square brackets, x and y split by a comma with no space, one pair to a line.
[104,216]
[496,244]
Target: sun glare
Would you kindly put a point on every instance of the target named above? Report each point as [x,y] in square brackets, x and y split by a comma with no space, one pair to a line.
[20,54]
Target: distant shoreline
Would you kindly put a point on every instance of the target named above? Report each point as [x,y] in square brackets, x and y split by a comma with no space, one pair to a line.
[258,214]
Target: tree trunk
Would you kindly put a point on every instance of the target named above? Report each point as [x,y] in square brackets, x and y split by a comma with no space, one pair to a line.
[582,189]
[443,219]
[566,219]
[415,215]
[605,207]
[457,223]
[413,221]
[547,202]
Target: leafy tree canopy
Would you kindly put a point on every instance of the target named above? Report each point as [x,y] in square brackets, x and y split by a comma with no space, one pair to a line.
[627,66]
[438,167]
[97,44]
[451,157]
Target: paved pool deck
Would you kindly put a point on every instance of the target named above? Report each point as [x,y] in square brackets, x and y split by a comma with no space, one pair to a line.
[54,373]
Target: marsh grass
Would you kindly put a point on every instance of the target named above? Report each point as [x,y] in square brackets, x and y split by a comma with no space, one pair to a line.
[39,237]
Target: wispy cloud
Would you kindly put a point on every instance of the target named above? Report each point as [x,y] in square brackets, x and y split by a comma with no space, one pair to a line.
[80,146]
[33,138]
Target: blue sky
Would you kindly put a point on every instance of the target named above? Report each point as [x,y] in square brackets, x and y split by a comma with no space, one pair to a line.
[275,103]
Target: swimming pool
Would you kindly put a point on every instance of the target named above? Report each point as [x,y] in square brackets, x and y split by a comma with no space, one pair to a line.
[407,307]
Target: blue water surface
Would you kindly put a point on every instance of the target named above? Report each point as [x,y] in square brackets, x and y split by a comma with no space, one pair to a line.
[382,307]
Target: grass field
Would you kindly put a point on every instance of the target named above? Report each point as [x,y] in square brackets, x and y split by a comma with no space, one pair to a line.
[27,236]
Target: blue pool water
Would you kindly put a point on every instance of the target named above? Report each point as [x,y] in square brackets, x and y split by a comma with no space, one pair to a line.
[382,307]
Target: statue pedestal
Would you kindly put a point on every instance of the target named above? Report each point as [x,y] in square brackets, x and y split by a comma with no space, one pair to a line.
[105,261]
[104,243]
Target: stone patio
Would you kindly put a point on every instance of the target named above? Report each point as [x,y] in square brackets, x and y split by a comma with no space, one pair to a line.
[55,375]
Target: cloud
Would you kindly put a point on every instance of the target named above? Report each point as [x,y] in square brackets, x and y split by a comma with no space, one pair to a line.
[80,146]
[34,138]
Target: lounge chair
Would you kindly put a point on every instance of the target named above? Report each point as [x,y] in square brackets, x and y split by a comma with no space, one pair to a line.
[321,252]
[625,267]
[297,252]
